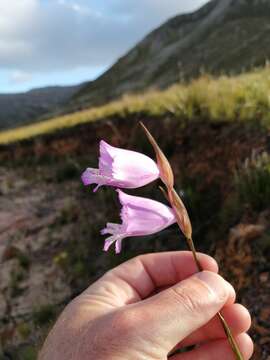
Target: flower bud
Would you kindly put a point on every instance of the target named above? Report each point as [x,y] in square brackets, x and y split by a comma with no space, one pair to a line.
[165,170]
[180,213]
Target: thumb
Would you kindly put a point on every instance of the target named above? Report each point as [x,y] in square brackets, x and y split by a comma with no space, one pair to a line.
[170,316]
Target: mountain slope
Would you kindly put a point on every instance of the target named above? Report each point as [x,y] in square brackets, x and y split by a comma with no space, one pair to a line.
[245,97]
[223,36]
[20,109]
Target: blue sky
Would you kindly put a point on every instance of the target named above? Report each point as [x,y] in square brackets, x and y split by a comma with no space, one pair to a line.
[65,42]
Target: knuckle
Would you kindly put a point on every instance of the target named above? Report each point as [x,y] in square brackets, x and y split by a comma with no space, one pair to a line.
[189,298]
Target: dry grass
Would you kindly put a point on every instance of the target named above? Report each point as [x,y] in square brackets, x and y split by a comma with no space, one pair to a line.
[244,97]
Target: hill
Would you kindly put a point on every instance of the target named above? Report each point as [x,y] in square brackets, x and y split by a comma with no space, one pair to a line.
[224,36]
[224,99]
[23,108]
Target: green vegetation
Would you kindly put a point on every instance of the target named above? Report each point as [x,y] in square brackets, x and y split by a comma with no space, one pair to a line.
[24,329]
[245,97]
[253,181]
[24,260]
[16,277]
[250,194]
[28,353]
[68,169]
[44,314]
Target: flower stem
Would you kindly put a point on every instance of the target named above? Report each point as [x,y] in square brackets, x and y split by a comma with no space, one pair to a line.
[230,337]
[182,218]
[192,248]
[225,326]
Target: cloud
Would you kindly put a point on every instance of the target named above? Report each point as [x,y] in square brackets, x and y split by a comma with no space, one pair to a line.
[20,77]
[54,35]
[154,9]
[79,8]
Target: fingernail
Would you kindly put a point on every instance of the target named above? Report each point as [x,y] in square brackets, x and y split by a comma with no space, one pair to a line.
[216,284]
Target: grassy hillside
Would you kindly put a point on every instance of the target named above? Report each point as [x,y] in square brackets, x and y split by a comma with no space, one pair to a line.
[245,97]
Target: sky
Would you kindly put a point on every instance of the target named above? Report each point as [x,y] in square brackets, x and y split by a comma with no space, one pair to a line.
[66,42]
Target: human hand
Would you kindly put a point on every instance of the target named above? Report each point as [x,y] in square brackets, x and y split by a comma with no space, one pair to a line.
[148,307]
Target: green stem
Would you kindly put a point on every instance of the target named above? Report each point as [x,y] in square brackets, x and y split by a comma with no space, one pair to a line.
[230,337]
[225,326]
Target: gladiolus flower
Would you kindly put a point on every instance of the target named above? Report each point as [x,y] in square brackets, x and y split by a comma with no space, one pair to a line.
[140,217]
[121,168]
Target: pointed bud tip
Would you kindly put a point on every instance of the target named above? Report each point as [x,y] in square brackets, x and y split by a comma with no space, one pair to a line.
[166,173]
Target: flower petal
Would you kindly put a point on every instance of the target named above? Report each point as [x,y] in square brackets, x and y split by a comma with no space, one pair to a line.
[114,239]
[118,246]
[116,230]
[142,216]
[126,168]
[89,176]
[105,158]
[109,242]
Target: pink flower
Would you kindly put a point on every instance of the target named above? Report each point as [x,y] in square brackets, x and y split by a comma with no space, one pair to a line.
[140,216]
[121,168]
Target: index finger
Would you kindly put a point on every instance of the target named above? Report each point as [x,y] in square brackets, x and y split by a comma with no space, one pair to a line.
[139,277]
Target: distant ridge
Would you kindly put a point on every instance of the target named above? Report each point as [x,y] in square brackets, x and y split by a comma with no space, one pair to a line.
[23,108]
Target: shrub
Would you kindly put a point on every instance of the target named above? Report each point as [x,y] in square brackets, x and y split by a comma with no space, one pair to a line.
[28,353]
[44,314]
[67,170]
[252,181]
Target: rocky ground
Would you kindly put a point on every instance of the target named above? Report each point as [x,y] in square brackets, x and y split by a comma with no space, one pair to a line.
[30,279]
[51,249]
